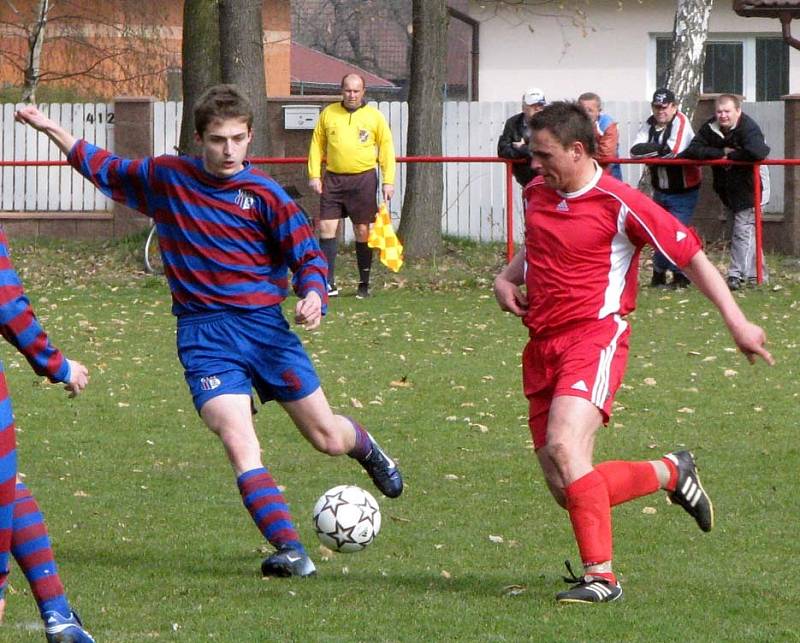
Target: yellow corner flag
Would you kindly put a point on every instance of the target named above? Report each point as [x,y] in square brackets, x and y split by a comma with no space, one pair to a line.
[382,236]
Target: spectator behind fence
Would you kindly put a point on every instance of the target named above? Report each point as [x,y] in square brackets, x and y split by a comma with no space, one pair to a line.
[606,132]
[666,134]
[513,142]
[731,134]
[353,137]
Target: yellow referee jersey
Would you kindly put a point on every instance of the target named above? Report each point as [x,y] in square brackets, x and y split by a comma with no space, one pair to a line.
[351,142]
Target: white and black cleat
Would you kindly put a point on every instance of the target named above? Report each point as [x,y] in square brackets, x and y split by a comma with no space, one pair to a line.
[589,589]
[689,492]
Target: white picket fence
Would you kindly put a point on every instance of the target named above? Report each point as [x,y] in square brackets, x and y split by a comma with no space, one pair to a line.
[473,205]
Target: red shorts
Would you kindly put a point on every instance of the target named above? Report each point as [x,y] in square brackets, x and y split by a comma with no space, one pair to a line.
[586,361]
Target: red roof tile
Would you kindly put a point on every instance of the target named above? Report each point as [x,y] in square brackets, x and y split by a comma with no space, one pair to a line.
[314,67]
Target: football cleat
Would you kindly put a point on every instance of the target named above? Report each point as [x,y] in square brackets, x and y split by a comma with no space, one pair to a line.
[589,589]
[286,562]
[333,291]
[689,493]
[362,292]
[383,471]
[65,629]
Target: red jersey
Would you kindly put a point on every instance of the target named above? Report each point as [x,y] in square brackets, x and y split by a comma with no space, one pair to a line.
[582,250]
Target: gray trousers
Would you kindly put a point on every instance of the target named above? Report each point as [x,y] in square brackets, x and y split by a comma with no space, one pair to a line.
[743,246]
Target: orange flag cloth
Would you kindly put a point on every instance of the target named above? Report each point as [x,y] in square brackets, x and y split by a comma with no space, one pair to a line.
[383,238]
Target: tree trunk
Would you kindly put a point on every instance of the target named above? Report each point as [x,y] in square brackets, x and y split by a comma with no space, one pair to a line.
[421,222]
[35,42]
[200,68]
[688,52]
[241,37]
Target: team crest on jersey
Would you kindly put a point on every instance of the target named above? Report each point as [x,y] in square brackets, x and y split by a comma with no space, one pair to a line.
[562,207]
[363,135]
[245,199]
[209,383]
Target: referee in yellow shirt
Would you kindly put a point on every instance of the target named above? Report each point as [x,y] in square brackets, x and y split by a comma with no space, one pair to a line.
[353,138]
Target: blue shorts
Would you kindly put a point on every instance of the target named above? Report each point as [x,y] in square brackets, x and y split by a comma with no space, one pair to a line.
[235,352]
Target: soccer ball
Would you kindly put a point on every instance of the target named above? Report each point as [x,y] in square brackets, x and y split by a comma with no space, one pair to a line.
[347,518]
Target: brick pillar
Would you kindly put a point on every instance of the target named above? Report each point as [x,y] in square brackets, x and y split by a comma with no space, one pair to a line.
[791,190]
[709,213]
[133,138]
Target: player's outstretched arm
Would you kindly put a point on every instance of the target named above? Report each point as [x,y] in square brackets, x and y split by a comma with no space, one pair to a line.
[750,338]
[30,115]
[308,311]
[507,286]
[78,378]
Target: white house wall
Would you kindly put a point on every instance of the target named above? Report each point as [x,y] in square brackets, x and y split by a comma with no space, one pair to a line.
[614,56]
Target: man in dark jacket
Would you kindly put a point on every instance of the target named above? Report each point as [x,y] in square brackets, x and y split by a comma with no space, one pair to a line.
[666,134]
[513,143]
[731,134]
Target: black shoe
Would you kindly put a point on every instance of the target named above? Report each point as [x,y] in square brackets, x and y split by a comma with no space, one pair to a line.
[680,281]
[658,280]
[333,291]
[362,292]
[589,589]
[734,283]
[286,562]
[689,493]
[383,471]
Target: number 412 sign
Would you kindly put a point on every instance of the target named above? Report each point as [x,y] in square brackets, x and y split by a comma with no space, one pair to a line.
[108,117]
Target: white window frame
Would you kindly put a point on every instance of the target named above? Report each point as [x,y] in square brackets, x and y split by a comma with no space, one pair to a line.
[748,41]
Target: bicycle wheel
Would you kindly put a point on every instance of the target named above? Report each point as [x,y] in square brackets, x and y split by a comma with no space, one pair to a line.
[152,256]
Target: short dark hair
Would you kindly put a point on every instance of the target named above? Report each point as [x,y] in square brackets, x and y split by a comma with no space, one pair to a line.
[354,75]
[733,98]
[591,96]
[221,101]
[568,122]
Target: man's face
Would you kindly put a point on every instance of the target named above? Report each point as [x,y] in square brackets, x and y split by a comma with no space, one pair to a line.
[557,165]
[352,92]
[223,146]
[727,114]
[592,108]
[530,110]
[663,114]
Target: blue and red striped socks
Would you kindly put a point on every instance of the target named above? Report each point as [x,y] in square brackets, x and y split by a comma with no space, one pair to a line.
[30,545]
[8,477]
[268,508]
[363,446]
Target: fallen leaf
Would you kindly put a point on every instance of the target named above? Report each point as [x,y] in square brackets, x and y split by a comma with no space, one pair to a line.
[496,539]
[514,590]
[355,403]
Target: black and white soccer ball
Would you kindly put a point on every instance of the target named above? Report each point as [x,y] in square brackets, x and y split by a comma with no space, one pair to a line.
[347,518]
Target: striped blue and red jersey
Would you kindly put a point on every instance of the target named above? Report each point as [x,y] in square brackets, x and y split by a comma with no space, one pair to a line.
[227,243]
[18,324]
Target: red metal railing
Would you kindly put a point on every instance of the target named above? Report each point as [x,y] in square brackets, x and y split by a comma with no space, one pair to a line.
[509,184]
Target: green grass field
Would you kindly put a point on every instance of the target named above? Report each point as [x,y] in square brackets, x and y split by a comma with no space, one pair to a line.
[153,542]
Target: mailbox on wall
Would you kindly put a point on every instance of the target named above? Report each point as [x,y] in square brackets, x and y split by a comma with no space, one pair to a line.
[300,116]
